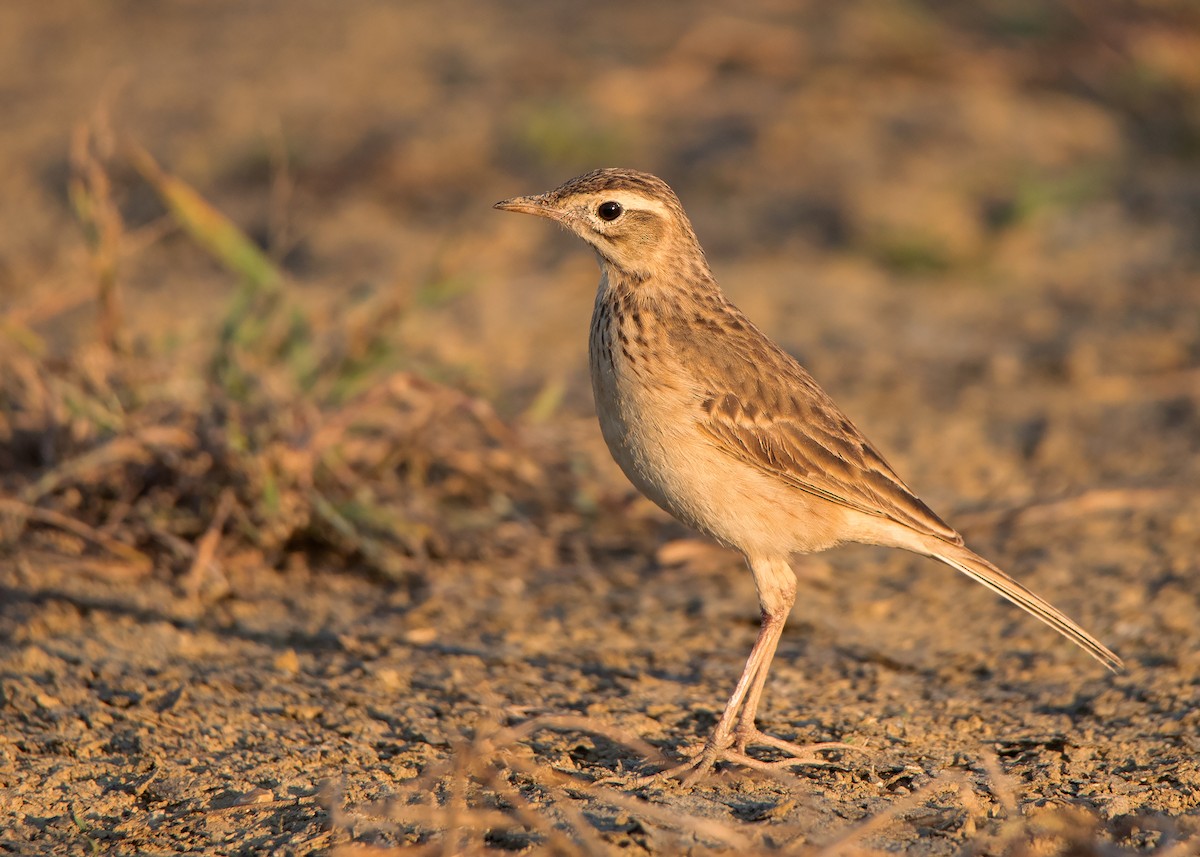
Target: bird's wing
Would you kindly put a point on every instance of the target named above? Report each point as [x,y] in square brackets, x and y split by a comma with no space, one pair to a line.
[759,405]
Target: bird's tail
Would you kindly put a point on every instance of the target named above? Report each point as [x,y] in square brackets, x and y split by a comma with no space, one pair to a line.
[978,568]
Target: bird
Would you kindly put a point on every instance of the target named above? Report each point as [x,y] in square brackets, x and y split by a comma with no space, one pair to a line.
[727,432]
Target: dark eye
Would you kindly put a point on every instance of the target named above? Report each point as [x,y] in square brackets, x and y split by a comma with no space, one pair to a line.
[609,210]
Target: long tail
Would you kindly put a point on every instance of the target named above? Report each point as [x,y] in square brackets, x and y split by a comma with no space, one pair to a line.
[978,568]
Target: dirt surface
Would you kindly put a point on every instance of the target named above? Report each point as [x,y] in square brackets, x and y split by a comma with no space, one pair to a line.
[376,583]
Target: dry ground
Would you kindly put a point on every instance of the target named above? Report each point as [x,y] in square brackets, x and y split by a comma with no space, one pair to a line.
[320,549]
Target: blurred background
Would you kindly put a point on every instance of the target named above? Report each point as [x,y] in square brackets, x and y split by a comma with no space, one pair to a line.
[837,160]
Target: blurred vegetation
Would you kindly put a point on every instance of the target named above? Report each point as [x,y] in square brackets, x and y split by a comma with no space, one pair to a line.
[297,436]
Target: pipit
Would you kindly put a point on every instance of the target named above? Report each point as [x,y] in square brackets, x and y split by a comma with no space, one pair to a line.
[728,433]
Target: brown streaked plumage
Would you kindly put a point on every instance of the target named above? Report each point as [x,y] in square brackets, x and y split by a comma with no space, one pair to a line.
[727,432]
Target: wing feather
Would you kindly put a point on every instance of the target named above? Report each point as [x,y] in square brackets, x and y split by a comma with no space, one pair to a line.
[759,405]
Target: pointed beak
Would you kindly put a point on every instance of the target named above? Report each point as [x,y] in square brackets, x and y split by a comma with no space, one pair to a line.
[537,205]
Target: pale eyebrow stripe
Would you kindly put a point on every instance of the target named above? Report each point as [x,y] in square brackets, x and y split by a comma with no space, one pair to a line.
[629,199]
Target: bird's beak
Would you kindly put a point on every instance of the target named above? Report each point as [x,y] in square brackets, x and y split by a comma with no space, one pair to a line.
[537,205]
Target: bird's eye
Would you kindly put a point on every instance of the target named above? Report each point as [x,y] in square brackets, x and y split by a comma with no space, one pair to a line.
[609,210]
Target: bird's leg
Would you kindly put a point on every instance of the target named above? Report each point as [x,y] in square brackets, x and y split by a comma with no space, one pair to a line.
[719,744]
[776,585]
[749,687]
[776,593]
[745,728]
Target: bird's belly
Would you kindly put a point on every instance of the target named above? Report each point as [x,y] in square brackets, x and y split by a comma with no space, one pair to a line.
[651,432]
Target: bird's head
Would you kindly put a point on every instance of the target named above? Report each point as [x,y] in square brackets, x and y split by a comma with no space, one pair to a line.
[632,219]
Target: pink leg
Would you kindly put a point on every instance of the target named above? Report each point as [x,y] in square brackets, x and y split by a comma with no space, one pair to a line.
[745,722]
[750,685]
[776,594]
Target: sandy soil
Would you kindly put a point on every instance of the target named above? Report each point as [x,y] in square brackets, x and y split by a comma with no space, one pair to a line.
[977,228]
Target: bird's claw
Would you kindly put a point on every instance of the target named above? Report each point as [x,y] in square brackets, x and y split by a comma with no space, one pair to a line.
[732,748]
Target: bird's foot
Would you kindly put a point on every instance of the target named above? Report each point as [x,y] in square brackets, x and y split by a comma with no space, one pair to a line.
[732,748]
